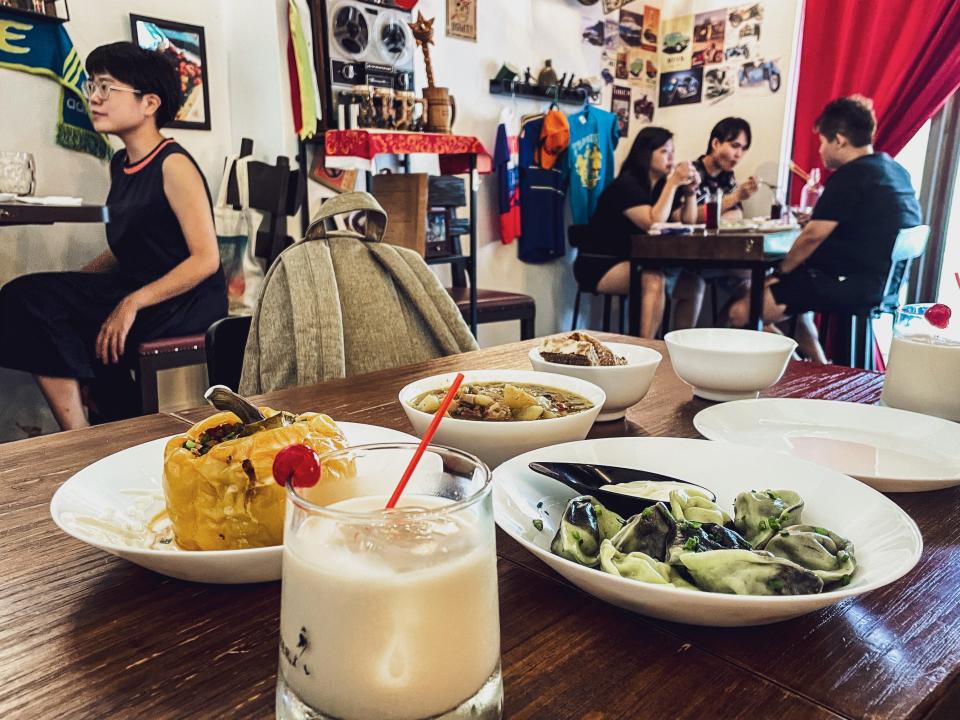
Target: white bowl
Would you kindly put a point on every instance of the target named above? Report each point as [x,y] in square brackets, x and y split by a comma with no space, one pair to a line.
[494,442]
[624,385]
[886,542]
[727,364]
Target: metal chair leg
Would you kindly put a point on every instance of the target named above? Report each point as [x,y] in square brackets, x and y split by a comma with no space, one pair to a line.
[576,310]
[606,313]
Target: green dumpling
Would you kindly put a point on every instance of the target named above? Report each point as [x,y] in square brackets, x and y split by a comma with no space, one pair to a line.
[759,514]
[749,572]
[694,505]
[635,566]
[822,551]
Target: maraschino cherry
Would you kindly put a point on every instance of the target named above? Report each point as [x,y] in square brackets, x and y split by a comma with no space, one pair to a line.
[298,464]
[938,315]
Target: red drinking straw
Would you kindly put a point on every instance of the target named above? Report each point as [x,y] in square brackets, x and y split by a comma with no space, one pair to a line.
[427,436]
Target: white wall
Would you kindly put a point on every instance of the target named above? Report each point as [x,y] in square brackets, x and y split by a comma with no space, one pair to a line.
[770,114]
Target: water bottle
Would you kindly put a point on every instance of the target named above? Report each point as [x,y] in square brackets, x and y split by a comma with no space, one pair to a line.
[812,191]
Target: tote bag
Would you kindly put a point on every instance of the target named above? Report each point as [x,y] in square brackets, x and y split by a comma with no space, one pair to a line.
[235,236]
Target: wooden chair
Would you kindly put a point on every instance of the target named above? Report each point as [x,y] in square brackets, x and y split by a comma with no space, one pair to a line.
[855,343]
[492,305]
[277,192]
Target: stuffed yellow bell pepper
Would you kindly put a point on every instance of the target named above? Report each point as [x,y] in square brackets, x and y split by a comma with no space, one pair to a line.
[218,480]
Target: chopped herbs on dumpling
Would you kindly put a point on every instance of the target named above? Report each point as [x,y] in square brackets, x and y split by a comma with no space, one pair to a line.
[749,572]
[578,537]
[822,551]
[759,514]
[649,532]
[635,566]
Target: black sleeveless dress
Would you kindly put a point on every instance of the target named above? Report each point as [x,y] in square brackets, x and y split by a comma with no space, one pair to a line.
[49,321]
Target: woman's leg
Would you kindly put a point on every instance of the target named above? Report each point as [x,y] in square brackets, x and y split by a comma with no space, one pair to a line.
[616,281]
[63,397]
[687,300]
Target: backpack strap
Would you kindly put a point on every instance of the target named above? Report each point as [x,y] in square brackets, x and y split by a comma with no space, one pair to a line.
[345,203]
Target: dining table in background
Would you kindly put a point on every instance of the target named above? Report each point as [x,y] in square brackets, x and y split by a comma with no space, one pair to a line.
[753,250]
[18,213]
[84,634]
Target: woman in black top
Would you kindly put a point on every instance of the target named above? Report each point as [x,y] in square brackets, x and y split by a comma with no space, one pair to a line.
[161,275]
[649,189]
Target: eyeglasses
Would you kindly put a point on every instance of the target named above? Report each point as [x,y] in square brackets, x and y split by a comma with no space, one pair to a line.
[102,89]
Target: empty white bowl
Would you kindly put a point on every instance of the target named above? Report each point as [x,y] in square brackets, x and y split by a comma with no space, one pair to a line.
[727,364]
[624,385]
[495,442]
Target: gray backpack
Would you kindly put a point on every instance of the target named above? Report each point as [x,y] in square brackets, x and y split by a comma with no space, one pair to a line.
[340,303]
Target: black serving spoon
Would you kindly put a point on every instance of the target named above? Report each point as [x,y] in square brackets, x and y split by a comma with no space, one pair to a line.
[589,479]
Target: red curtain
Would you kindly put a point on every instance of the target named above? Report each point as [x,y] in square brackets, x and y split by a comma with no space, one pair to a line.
[904,54]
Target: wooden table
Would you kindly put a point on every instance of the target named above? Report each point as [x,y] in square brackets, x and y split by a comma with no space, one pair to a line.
[753,251]
[17,213]
[86,635]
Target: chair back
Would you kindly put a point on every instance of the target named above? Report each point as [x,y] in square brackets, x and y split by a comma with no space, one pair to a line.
[576,234]
[226,342]
[910,244]
[277,191]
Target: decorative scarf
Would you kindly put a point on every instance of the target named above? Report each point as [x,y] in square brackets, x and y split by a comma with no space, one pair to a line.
[42,47]
[305,96]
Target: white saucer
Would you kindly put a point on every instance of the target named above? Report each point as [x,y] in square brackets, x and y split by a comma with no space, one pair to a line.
[890,450]
[127,488]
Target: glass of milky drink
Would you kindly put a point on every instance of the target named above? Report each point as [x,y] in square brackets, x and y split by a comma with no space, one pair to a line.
[392,614]
[923,370]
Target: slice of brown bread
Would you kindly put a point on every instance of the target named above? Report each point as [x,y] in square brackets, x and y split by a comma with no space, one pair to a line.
[578,348]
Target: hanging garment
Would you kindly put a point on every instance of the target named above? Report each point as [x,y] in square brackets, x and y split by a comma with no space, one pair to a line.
[594,135]
[542,197]
[505,161]
[303,83]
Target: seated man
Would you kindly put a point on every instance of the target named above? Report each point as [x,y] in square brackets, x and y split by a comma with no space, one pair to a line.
[841,259]
[729,140]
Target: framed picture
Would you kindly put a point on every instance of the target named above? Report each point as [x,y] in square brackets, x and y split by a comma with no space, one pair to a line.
[47,8]
[462,19]
[186,46]
[333,178]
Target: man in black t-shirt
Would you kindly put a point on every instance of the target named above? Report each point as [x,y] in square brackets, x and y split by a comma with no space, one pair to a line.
[729,140]
[841,259]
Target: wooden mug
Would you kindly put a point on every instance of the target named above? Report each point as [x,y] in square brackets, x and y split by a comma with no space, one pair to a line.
[441,109]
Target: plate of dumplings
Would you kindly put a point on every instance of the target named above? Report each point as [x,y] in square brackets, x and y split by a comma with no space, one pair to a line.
[755,538]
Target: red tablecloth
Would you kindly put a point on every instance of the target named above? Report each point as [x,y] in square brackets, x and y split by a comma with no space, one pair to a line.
[454,151]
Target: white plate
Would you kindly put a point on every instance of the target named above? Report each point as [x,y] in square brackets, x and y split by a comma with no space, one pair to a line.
[890,450]
[128,486]
[886,541]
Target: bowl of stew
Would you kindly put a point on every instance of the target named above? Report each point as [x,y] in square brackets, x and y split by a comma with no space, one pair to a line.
[498,414]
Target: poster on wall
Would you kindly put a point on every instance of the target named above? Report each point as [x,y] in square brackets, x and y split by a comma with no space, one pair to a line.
[631,28]
[611,5]
[759,73]
[708,35]
[462,19]
[620,106]
[186,47]
[611,33]
[622,72]
[743,31]
[676,46]
[681,87]
[651,25]
[719,83]
[643,107]
[592,30]
[608,66]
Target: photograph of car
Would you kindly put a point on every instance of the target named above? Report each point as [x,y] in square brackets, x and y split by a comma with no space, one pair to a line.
[631,28]
[751,30]
[759,72]
[749,12]
[643,107]
[593,34]
[737,51]
[710,55]
[649,36]
[701,32]
[675,43]
[717,84]
[681,87]
[636,68]
[651,70]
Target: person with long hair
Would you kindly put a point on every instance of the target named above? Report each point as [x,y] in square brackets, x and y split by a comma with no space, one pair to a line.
[160,275]
[651,188]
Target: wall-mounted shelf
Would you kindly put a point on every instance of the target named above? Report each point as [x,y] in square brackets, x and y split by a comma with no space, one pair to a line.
[572,96]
